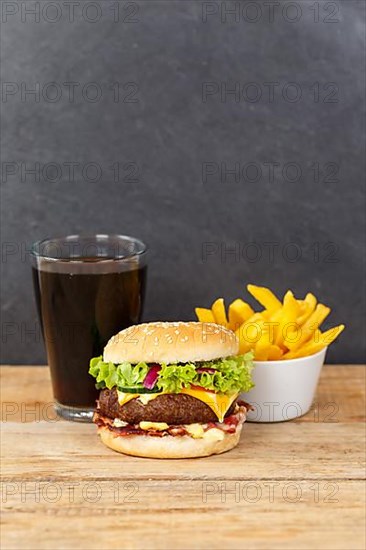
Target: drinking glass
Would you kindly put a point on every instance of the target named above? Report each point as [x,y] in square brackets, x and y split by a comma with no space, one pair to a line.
[87,289]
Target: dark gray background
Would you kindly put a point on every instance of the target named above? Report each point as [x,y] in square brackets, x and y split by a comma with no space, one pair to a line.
[169,52]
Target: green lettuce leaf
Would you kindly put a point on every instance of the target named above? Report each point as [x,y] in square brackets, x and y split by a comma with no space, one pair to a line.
[232,375]
[109,375]
[172,378]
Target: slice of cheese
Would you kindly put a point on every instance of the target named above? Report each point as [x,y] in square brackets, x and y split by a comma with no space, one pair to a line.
[214,434]
[146,397]
[219,403]
[160,426]
[195,430]
[124,398]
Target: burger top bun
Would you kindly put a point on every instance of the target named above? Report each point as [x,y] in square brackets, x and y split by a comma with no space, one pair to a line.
[164,342]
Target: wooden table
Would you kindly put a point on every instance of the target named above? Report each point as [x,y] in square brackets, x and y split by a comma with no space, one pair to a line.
[295,485]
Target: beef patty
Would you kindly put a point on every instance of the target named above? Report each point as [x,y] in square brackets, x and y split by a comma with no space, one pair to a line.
[172,408]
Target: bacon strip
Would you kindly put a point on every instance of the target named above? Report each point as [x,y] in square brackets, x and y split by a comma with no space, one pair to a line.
[229,425]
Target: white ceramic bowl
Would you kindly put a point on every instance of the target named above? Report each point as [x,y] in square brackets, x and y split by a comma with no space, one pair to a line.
[283,389]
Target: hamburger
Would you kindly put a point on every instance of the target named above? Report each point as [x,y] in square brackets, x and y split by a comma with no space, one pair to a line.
[170,390]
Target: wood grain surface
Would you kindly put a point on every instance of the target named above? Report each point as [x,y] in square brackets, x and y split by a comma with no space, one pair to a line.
[287,485]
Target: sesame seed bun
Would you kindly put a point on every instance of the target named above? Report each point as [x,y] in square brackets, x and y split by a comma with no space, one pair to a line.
[164,342]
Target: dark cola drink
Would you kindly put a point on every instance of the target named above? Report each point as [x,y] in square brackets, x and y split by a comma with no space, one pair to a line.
[82,302]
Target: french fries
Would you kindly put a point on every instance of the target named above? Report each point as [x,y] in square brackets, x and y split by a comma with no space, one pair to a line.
[204,315]
[275,353]
[307,307]
[265,297]
[239,312]
[282,330]
[219,313]
[310,326]
[263,346]
[249,332]
[321,340]
[287,316]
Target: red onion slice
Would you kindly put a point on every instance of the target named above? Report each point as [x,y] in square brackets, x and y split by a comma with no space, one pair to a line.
[151,377]
[206,369]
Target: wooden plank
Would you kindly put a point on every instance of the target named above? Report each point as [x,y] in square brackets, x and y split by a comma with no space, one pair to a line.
[23,390]
[283,451]
[181,515]
[340,396]
[287,485]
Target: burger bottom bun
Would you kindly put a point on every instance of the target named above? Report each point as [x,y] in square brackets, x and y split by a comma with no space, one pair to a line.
[168,446]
